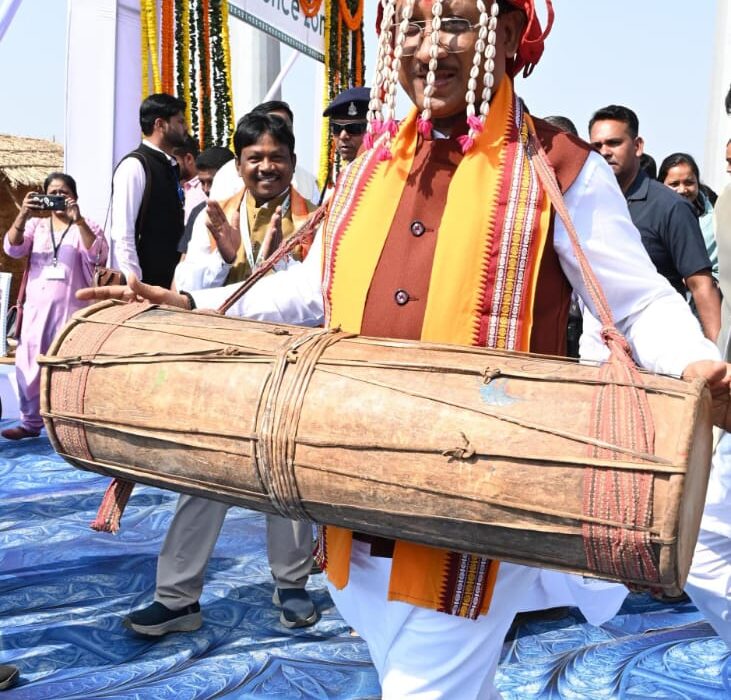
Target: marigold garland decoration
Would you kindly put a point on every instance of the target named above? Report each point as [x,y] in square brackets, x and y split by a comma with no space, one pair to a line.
[168,36]
[310,8]
[344,67]
[190,57]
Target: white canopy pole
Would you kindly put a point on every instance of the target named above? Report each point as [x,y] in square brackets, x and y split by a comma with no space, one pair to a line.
[8,8]
[274,89]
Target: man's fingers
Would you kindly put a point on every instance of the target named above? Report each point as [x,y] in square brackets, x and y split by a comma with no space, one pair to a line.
[148,292]
[115,291]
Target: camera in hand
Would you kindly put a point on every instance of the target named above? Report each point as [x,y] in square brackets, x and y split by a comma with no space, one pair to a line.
[52,202]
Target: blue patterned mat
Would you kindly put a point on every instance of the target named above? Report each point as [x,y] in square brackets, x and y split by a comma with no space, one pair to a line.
[65,589]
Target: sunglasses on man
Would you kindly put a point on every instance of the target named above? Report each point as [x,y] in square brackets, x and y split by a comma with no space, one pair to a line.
[353,128]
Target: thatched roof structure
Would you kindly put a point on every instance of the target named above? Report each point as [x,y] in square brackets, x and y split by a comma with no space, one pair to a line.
[25,162]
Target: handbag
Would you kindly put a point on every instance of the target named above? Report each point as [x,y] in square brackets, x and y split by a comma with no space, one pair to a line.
[14,318]
[107,276]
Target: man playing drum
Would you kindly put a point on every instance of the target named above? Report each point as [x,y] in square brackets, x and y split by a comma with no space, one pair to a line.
[442,231]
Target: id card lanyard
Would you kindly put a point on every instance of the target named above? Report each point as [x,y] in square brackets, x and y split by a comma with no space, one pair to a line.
[53,240]
[248,246]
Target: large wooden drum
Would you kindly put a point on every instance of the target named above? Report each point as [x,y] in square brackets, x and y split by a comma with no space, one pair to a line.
[474,450]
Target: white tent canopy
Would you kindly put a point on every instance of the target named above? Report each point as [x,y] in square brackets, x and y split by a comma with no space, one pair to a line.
[103,88]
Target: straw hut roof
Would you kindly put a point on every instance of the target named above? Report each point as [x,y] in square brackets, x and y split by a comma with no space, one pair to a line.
[25,162]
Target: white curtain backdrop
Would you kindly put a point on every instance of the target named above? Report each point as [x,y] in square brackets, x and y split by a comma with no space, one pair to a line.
[8,8]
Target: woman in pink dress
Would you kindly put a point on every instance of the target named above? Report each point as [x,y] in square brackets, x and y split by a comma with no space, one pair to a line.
[63,249]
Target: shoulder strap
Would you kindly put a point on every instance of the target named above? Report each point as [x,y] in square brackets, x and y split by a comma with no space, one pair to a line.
[612,338]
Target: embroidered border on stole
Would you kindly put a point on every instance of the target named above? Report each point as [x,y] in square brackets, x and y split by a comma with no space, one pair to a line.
[518,219]
[343,206]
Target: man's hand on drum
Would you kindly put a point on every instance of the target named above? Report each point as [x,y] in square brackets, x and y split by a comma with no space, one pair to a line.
[226,235]
[718,376]
[135,290]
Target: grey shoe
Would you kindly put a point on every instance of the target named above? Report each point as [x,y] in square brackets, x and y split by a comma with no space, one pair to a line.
[298,610]
[157,619]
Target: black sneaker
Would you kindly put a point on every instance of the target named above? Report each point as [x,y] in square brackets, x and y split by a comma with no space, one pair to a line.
[298,610]
[157,619]
[8,676]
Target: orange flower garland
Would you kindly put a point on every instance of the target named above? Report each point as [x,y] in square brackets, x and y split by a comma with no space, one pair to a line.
[310,8]
[352,21]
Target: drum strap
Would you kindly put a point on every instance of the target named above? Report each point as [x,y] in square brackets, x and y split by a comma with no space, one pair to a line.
[621,416]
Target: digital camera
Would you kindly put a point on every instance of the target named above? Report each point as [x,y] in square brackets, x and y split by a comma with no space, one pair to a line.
[52,202]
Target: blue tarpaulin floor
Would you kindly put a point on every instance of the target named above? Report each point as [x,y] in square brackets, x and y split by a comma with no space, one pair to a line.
[65,589]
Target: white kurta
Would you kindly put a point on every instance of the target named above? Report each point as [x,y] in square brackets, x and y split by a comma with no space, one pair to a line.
[664,336]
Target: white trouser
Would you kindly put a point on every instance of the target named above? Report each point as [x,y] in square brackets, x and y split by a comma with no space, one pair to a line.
[709,581]
[421,653]
[192,535]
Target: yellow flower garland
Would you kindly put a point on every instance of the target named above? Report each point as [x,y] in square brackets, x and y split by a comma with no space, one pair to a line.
[227,63]
[148,21]
[324,169]
[145,77]
[186,61]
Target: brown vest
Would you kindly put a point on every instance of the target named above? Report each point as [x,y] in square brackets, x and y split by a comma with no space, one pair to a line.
[396,301]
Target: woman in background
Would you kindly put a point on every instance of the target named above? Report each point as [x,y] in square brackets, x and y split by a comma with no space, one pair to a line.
[63,249]
[679,172]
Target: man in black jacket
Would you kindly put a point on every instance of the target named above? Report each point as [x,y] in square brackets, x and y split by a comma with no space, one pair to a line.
[147,198]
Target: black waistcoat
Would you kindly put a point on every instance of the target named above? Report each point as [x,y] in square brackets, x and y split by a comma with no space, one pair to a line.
[159,223]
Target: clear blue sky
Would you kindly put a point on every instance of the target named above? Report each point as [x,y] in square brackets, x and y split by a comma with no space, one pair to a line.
[652,55]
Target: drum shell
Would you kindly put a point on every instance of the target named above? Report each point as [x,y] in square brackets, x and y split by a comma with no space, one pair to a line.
[383,438]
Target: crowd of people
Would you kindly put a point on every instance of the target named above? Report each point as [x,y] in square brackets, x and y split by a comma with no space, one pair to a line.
[184,224]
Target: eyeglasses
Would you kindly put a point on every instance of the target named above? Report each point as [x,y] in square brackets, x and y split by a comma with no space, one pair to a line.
[353,128]
[454,35]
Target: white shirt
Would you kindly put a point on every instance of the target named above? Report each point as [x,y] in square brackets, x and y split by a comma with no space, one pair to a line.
[128,188]
[658,324]
[194,195]
[202,267]
[227,182]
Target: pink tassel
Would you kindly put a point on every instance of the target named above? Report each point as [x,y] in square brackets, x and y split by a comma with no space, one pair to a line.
[391,126]
[384,153]
[475,123]
[374,131]
[424,127]
[466,142]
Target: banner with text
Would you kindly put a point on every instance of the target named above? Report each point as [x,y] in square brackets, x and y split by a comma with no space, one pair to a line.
[285,21]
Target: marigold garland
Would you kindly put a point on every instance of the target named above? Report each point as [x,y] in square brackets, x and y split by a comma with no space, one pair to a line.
[193,68]
[344,67]
[167,31]
[204,56]
[148,17]
[226,42]
[310,8]
[325,140]
[353,19]
[145,59]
